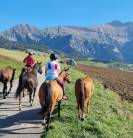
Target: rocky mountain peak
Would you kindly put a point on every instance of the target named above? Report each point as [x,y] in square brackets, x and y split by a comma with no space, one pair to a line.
[109,41]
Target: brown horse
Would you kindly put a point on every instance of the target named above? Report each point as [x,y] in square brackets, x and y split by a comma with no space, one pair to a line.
[7,75]
[28,80]
[50,93]
[84,88]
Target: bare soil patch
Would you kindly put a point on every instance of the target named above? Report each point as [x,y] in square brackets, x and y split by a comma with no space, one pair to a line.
[116,80]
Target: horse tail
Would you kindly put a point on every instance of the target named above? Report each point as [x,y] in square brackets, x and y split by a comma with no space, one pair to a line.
[13,74]
[20,88]
[47,98]
[82,96]
[1,76]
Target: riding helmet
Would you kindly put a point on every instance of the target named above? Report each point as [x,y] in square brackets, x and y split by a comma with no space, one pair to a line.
[53,56]
[30,53]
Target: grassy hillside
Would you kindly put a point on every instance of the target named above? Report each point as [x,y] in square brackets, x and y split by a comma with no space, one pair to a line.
[5,61]
[19,55]
[109,117]
[14,58]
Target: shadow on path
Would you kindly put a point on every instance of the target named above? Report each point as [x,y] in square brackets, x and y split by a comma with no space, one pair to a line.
[28,117]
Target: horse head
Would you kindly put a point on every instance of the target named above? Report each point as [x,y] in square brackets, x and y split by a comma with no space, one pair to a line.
[38,67]
[66,75]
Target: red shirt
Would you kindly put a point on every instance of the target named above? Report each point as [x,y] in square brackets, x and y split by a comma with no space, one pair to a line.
[29,60]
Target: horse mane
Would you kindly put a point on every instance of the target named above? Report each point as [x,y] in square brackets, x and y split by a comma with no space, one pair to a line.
[60,72]
[35,67]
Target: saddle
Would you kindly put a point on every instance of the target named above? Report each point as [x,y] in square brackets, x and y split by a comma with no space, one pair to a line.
[29,69]
[61,84]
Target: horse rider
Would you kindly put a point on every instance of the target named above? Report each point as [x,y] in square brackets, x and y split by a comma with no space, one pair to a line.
[52,71]
[29,60]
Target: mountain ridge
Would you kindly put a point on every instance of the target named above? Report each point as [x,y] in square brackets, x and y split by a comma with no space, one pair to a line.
[111,41]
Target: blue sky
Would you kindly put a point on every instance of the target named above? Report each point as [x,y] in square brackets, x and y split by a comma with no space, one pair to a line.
[47,13]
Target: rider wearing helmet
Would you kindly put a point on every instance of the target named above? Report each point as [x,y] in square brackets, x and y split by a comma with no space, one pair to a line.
[52,71]
[29,60]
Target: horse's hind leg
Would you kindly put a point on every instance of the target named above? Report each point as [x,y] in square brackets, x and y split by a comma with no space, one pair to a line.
[23,93]
[78,107]
[10,87]
[83,116]
[45,121]
[88,106]
[34,94]
[59,103]
[20,106]
[49,115]
[4,91]
[30,97]
[48,120]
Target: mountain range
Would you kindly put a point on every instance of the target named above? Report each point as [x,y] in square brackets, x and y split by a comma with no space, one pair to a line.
[111,41]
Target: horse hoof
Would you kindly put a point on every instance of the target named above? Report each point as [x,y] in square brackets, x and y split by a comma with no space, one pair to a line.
[20,109]
[82,119]
[44,124]
[47,129]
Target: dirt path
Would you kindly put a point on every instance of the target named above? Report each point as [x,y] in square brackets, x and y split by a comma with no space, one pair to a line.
[20,124]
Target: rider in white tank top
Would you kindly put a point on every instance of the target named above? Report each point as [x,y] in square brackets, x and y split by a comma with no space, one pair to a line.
[52,70]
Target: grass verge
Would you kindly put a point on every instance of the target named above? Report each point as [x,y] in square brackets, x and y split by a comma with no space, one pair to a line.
[108,117]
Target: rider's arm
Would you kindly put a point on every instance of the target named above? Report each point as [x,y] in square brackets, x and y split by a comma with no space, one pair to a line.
[24,61]
[34,61]
[58,69]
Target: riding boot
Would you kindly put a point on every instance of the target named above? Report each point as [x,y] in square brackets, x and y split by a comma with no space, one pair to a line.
[64,95]
[63,89]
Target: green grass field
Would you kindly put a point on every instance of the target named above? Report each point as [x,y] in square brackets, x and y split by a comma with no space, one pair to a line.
[14,63]
[14,58]
[19,55]
[108,117]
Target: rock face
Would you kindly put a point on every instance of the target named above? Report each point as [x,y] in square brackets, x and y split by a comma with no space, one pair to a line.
[111,41]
